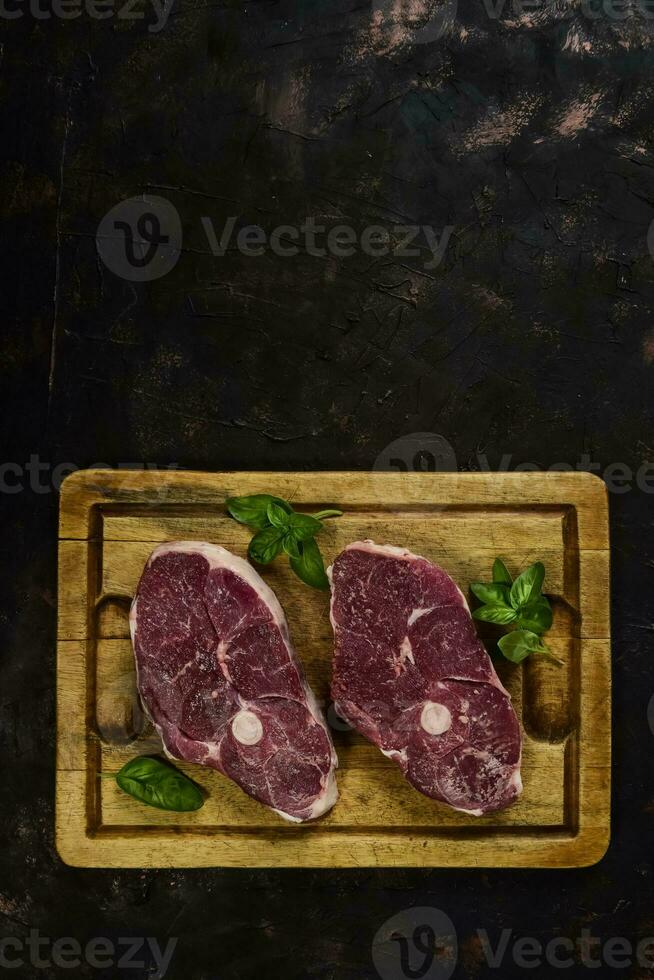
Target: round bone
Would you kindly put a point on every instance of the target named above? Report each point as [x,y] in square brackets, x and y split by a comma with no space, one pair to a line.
[246,728]
[435,718]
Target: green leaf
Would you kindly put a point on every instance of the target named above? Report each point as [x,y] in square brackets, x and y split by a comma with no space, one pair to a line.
[495,614]
[501,573]
[253,509]
[536,616]
[158,784]
[266,545]
[291,546]
[494,595]
[310,566]
[528,584]
[304,526]
[280,528]
[277,516]
[520,603]
[519,644]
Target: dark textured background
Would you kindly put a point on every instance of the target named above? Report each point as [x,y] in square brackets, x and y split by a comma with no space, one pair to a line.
[532,135]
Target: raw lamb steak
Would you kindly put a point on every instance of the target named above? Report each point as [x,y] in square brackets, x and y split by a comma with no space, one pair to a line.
[220,680]
[411,675]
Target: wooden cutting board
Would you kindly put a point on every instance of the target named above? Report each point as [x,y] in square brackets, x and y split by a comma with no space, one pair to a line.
[110,522]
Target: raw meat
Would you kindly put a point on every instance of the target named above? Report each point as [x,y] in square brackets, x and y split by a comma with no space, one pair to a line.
[220,680]
[411,675]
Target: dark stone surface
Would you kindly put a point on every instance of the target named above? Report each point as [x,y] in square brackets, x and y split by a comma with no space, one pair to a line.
[531,134]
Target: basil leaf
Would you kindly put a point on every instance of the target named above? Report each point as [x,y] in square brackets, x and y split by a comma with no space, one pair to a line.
[253,509]
[536,616]
[495,614]
[494,595]
[519,644]
[291,546]
[304,526]
[277,516]
[266,545]
[520,602]
[528,584]
[310,566]
[158,784]
[501,573]
[280,528]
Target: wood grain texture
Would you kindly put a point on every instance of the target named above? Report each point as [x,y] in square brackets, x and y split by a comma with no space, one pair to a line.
[110,521]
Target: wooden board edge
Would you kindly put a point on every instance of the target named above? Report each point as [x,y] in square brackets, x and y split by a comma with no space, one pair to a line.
[553,852]
[72,752]
[76,589]
[84,489]
[595,777]
[72,842]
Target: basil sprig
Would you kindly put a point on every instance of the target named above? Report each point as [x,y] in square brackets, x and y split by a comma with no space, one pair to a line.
[520,605]
[152,781]
[280,528]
